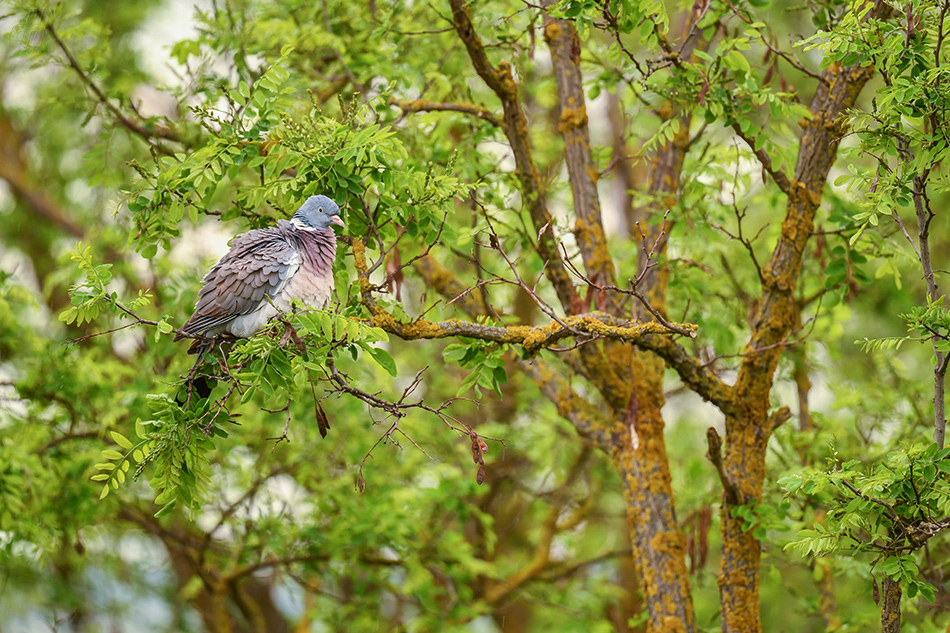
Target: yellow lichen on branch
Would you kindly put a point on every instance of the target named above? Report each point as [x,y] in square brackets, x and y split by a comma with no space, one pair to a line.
[572,118]
[532,338]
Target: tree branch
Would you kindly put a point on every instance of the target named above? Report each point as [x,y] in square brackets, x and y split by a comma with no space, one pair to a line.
[149,135]
[502,82]
[817,152]
[749,427]
[778,176]
[532,338]
[695,374]
[925,216]
[424,105]
[565,46]
[714,454]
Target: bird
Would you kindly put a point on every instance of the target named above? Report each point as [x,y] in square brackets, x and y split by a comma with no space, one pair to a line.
[263,271]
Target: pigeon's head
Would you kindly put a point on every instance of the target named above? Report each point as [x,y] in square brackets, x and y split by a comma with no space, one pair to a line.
[317,213]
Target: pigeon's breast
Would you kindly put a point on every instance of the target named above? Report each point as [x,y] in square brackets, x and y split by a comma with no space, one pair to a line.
[313,282]
[312,287]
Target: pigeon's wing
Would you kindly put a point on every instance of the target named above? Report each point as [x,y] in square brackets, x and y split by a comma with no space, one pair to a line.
[258,265]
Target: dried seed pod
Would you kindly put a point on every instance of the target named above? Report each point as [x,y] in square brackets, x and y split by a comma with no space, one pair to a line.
[480,477]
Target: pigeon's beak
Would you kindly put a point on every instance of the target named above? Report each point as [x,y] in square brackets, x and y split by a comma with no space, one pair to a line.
[336,220]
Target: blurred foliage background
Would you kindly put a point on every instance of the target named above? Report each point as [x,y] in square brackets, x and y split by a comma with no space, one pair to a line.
[142,129]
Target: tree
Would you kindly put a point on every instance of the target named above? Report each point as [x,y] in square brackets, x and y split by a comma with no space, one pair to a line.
[480,211]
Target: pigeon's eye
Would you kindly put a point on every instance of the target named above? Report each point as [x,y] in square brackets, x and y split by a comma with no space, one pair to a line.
[320,210]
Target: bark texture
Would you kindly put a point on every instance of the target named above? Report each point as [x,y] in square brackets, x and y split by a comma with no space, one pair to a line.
[890,606]
[749,427]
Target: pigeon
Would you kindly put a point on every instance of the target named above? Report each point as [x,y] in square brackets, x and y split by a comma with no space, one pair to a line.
[264,270]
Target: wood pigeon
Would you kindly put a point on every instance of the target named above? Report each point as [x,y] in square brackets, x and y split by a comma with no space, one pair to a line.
[263,271]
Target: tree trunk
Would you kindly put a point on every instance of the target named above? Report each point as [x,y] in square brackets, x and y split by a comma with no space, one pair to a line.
[739,574]
[658,544]
[890,606]
[749,427]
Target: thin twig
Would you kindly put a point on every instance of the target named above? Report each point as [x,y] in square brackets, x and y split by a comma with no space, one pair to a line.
[148,135]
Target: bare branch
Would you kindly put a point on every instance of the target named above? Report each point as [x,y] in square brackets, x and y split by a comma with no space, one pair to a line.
[925,216]
[424,105]
[632,291]
[502,82]
[714,454]
[532,338]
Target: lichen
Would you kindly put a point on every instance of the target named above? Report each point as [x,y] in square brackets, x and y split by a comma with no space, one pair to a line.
[359,262]
[572,118]
[593,173]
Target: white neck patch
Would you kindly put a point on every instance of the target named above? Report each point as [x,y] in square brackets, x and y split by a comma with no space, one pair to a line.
[300,225]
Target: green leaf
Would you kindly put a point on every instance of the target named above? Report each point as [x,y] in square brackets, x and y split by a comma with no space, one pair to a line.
[165,509]
[383,358]
[121,440]
[737,60]
[455,352]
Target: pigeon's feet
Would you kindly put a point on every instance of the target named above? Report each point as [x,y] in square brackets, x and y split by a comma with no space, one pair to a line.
[202,344]
[195,384]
